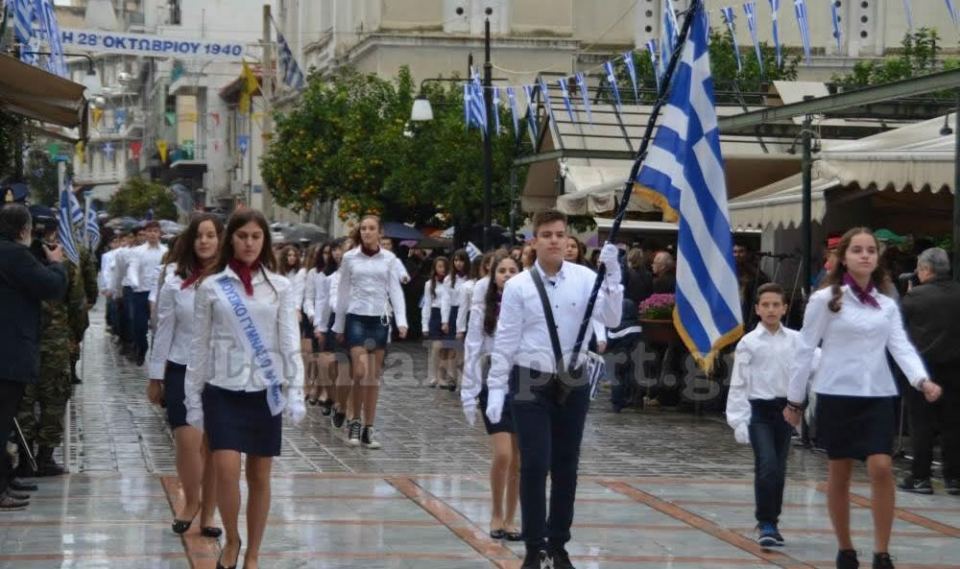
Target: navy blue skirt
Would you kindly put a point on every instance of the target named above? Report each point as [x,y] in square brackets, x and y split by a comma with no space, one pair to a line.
[368,332]
[330,337]
[174,395]
[241,421]
[436,325]
[505,425]
[856,427]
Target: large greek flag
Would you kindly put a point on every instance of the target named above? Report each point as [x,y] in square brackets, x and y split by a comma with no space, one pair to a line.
[292,76]
[683,172]
[65,225]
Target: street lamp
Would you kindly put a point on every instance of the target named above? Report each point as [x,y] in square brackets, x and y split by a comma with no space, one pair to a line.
[422,111]
[91,81]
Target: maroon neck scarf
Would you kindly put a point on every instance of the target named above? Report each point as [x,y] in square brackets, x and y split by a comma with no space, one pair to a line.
[245,272]
[195,275]
[369,252]
[864,296]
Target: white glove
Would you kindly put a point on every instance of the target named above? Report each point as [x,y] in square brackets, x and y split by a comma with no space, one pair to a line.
[470,412]
[495,404]
[195,417]
[610,257]
[742,434]
[296,410]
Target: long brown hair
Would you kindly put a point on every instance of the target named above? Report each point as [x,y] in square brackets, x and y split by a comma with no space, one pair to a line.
[283,266]
[452,268]
[834,278]
[183,254]
[433,273]
[240,218]
[492,300]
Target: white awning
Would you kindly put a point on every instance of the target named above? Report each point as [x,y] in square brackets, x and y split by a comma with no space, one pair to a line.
[593,190]
[780,204]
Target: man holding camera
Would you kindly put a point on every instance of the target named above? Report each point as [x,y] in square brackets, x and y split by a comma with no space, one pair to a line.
[930,311]
[24,284]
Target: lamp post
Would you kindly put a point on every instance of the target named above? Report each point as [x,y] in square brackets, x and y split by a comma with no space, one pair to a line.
[488,138]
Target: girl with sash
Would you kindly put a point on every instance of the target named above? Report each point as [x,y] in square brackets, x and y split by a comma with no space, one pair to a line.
[368,281]
[505,468]
[194,253]
[431,315]
[245,350]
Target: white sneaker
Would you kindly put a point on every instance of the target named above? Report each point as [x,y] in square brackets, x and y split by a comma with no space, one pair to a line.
[368,440]
[354,437]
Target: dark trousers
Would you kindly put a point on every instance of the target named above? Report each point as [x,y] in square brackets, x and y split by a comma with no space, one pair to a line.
[11,392]
[112,316]
[126,316]
[141,321]
[926,419]
[770,438]
[549,436]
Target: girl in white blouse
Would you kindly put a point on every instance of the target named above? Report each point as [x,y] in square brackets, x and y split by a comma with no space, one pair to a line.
[456,283]
[194,253]
[245,350]
[332,356]
[431,316]
[316,288]
[505,468]
[855,389]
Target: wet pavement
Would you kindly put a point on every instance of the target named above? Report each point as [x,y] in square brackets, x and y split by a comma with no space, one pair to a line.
[658,489]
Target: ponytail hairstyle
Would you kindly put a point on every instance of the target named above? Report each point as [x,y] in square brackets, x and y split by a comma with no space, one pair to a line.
[433,273]
[834,279]
[491,303]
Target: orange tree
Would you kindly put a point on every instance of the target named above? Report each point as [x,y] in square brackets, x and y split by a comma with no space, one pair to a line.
[349,138]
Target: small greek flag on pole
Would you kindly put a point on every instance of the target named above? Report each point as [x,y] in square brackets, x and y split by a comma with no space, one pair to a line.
[585,95]
[800,8]
[632,72]
[652,49]
[728,18]
[750,9]
[531,114]
[92,228]
[292,76]
[612,81]
[496,109]
[953,11]
[514,113]
[565,95]
[683,172]
[775,29]
[837,33]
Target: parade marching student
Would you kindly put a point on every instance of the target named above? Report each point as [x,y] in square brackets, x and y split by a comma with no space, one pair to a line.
[476,273]
[334,358]
[141,277]
[194,254]
[316,288]
[431,315]
[456,283]
[368,281]
[478,293]
[108,264]
[755,404]
[505,468]
[855,389]
[245,349]
[548,402]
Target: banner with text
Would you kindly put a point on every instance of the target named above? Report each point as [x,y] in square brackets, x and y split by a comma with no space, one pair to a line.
[148,45]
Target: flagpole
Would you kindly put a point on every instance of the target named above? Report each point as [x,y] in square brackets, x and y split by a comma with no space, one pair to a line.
[692,12]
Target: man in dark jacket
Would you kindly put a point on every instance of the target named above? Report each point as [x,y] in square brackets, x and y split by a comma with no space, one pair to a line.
[930,311]
[24,283]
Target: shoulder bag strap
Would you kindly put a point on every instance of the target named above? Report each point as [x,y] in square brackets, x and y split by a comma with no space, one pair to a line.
[548,314]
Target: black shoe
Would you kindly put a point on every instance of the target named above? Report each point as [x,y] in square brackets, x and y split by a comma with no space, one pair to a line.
[8,504]
[882,561]
[368,440]
[210,531]
[561,559]
[536,559]
[21,486]
[236,561]
[18,496]
[181,526]
[326,407]
[847,559]
[513,536]
[353,439]
[916,485]
[953,486]
[338,418]
[497,534]
[46,466]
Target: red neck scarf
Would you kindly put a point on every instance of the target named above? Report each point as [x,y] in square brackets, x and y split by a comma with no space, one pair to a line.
[195,275]
[245,272]
[369,252]
[864,296]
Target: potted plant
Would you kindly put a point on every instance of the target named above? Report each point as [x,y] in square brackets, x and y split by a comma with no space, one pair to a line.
[656,318]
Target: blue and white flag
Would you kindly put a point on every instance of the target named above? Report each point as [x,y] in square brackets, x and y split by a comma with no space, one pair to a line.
[750,9]
[652,49]
[512,101]
[612,81]
[585,95]
[531,115]
[292,75]
[669,35]
[243,143]
[108,150]
[775,29]
[119,119]
[51,31]
[467,105]
[23,17]
[75,212]
[478,106]
[565,95]
[65,223]
[683,172]
[632,73]
[496,110]
[473,252]
[800,9]
[953,11]
[545,93]
[92,229]
[837,33]
[728,18]
[908,14]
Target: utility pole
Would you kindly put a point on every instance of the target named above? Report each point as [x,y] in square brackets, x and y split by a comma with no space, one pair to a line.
[488,138]
[266,92]
[806,166]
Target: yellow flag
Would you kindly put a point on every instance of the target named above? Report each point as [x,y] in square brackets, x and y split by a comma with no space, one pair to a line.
[248,86]
[78,151]
[162,149]
[97,115]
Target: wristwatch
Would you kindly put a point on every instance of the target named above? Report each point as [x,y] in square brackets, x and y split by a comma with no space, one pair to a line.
[795,407]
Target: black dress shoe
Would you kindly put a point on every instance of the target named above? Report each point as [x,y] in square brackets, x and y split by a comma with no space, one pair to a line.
[513,536]
[211,531]
[326,407]
[220,565]
[21,486]
[181,526]
[18,496]
[497,534]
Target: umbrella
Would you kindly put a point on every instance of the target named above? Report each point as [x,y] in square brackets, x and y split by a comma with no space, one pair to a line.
[303,232]
[168,227]
[401,231]
[123,223]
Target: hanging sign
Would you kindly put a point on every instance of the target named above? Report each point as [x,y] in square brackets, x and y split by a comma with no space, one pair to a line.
[149,45]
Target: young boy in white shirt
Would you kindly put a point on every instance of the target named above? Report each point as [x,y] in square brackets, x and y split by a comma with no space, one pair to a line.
[757,397]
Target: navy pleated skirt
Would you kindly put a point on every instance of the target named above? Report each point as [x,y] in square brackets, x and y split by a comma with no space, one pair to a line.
[240,421]
[505,425]
[174,395]
[856,427]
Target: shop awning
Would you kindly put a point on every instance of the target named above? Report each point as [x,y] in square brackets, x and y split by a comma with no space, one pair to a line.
[33,93]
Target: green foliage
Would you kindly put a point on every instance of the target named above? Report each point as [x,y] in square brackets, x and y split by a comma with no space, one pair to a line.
[138,196]
[918,57]
[41,176]
[10,125]
[349,138]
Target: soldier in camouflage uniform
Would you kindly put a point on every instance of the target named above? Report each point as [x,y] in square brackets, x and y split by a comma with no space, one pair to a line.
[86,297]
[44,403]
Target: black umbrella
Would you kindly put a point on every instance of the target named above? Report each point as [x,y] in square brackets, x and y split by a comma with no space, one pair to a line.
[303,232]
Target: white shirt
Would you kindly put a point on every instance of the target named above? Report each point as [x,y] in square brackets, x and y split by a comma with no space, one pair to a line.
[165,272]
[218,357]
[466,301]
[309,282]
[121,261]
[367,283]
[143,267]
[108,264]
[174,325]
[477,297]
[321,302]
[476,345]
[761,370]
[522,337]
[855,340]
[454,295]
[433,297]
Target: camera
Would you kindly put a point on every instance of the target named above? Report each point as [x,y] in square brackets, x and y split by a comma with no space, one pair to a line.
[909,279]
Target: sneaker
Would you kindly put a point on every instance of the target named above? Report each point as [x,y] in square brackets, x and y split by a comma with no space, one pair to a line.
[767,535]
[368,440]
[953,486]
[338,418]
[8,504]
[916,485]
[561,559]
[18,496]
[847,559]
[354,437]
[776,535]
[21,486]
[882,561]
[537,559]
